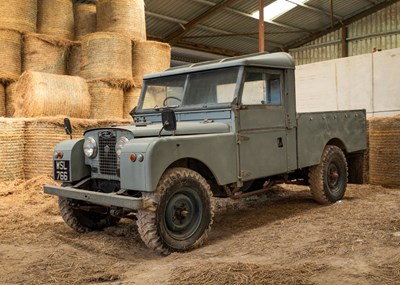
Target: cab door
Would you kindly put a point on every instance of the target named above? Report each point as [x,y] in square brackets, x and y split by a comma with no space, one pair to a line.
[262,130]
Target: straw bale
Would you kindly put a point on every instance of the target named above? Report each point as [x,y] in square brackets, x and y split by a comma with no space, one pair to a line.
[107,100]
[85,19]
[107,57]
[384,151]
[45,54]
[43,94]
[10,55]
[10,99]
[18,15]
[149,57]
[125,17]
[2,101]
[11,148]
[43,134]
[56,18]
[74,59]
[131,97]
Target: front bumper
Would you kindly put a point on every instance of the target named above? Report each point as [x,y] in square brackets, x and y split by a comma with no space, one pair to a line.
[97,198]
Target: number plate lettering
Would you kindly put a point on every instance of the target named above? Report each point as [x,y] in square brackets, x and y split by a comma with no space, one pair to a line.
[61,170]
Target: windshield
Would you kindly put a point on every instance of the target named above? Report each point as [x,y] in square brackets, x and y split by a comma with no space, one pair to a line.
[205,88]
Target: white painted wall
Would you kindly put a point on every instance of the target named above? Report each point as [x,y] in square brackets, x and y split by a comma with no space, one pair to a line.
[370,81]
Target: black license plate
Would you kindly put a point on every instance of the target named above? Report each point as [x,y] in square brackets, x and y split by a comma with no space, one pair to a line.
[61,170]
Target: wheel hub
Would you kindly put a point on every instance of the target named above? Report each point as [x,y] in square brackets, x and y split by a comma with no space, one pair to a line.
[333,175]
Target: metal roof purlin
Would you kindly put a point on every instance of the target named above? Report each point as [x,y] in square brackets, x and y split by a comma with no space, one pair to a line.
[311,8]
[345,22]
[179,21]
[175,36]
[250,16]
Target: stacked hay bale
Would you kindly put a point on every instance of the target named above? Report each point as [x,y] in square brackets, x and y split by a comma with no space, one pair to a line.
[85,19]
[384,151]
[36,96]
[147,57]
[10,55]
[47,39]
[18,15]
[45,54]
[107,100]
[106,65]
[12,140]
[125,17]
[10,100]
[2,101]
[56,18]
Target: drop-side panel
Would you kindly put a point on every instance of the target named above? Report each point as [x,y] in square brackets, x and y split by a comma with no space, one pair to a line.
[315,130]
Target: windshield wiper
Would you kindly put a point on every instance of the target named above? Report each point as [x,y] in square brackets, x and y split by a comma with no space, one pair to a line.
[158,108]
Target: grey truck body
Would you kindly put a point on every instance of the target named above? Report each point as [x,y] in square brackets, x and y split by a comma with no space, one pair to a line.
[230,137]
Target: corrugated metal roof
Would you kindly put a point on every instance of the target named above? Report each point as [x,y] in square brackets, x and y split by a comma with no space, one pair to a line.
[232,30]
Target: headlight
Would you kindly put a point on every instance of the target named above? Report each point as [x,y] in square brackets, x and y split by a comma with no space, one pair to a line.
[90,147]
[120,144]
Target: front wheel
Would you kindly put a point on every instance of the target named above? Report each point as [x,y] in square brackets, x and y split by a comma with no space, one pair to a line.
[328,180]
[183,212]
[84,221]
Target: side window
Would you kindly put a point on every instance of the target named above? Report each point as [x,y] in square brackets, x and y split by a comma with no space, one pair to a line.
[262,88]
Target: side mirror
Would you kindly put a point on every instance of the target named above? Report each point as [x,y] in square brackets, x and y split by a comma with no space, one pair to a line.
[168,119]
[68,127]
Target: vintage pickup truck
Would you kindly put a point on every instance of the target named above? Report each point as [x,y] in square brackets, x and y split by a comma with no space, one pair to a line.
[225,128]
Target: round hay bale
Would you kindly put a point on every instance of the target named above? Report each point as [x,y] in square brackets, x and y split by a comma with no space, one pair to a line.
[107,57]
[384,151]
[10,99]
[45,54]
[107,101]
[43,94]
[74,60]
[10,54]
[149,57]
[2,101]
[12,140]
[18,15]
[85,19]
[125,17]
[131,97]
[56,18]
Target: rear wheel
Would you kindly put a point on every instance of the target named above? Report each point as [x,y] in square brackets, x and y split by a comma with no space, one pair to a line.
[183,212]
[328,180]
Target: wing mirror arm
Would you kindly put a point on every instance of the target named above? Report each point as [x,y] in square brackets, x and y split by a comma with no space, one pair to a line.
[68,127]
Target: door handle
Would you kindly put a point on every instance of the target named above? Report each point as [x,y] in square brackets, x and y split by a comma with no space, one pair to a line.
[280,142]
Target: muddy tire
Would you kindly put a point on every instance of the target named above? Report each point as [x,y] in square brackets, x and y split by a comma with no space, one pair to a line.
[328,180]
[182,214]
[83,221]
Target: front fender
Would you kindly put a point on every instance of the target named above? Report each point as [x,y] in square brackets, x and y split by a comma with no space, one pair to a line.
[73,152]
[216,151]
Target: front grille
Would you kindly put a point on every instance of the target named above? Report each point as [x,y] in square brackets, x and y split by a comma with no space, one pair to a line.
[108,157]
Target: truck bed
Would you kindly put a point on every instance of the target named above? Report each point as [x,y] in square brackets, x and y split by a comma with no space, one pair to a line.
[346,129]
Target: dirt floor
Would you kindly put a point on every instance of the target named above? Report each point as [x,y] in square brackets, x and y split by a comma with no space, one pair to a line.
[282,237]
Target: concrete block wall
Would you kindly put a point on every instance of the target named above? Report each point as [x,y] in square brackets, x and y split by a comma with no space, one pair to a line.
[370,81]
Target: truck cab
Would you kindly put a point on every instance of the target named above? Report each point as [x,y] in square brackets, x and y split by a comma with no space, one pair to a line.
[225,128]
